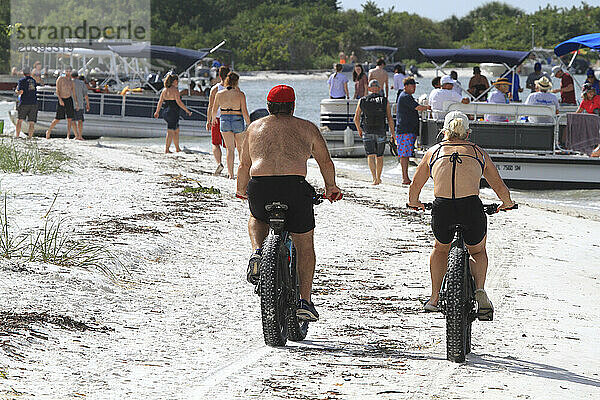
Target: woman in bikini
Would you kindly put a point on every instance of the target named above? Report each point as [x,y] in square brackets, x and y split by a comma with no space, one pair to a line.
[170,96]
[233,114]
[456,166]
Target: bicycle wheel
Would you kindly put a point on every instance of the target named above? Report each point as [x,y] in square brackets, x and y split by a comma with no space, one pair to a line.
[273,293]
[458,324]
[297,328]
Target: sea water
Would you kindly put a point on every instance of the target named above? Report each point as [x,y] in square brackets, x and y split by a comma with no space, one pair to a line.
[310,89]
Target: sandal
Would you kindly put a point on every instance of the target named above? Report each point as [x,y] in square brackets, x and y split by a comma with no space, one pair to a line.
[485,309]
[428,307]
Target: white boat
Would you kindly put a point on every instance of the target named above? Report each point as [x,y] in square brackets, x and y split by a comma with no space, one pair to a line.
[115,115]
[338,129]
[528,155]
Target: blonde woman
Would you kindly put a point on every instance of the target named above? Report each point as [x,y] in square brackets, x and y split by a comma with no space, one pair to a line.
[170,96]
[234,113]
[456,166]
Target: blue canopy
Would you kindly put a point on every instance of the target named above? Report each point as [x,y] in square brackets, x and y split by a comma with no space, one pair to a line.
[181,57]
[591,40]
[510,58]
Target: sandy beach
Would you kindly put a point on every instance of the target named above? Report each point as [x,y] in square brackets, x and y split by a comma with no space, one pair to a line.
[178,320]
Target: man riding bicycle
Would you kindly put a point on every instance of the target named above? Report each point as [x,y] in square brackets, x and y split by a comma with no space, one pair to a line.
[456,166]
[273,168]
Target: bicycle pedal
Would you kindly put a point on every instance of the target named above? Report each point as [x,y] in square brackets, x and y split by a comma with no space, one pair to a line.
[485,315]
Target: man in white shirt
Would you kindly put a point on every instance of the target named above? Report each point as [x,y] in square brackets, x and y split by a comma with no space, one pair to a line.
[438,97]
[542,98]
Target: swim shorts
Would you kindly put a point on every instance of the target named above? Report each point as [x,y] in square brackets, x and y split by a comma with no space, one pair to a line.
[67,109]
[215,133]
[232,123]
[374,144]
[467,211]
[27,111]
[406,144]
[78,116]
[292,190]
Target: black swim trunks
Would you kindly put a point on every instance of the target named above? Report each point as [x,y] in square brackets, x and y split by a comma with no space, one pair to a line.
[67,109]
[292,190]
[374,144]
[467,211]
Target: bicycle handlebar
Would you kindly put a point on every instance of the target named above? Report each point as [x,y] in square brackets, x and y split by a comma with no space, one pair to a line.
[489,209]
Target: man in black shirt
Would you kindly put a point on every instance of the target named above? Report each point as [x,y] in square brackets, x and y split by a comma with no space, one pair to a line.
[407,125]
[370,120]
[27,107]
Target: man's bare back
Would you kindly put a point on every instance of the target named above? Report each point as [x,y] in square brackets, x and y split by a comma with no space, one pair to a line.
[281,145]
[381,76]
[64,87]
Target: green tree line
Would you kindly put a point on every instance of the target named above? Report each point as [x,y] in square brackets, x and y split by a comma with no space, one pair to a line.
[307,34]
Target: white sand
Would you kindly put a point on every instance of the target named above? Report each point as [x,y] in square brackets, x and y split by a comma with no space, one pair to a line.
[187,325]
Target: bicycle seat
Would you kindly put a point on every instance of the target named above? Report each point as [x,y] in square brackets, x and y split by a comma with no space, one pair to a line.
[276,206]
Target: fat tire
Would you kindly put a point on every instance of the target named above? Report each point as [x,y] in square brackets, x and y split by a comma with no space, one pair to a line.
[272,288]
[458,305]
[297,329]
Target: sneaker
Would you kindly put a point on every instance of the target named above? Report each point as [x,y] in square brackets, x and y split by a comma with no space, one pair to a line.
[218,170]
[428,307]
[253,272]
[306,311]
[485,309]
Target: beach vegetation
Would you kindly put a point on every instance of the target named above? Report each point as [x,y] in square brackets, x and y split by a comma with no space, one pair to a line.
[200,190]
[54,243]
[18,156]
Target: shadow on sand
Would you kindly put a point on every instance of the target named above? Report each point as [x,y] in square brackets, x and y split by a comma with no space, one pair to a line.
[514,365]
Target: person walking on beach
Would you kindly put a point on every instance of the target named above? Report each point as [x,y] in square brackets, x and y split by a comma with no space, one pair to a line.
[338,84]
[171,98]
[407,125]
[370,117]
[456,166]
[380,74]
[65,91]
[567,87]
[27,106]
[360,81]
[273,168]
[81,95]
[215,128]
[234,112]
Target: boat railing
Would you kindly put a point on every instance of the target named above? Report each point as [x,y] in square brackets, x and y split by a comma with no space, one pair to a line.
[514,135]
[338,114]
[130,105]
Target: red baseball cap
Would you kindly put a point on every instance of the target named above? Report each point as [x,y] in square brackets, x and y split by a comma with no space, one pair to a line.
[281,94]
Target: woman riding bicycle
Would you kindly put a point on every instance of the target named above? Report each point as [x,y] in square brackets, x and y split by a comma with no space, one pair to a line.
[456,166]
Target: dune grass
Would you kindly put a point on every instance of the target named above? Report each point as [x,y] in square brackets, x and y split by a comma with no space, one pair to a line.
[52,243]
[19,156]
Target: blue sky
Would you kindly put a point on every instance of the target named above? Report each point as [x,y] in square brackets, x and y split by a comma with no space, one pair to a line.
[438,10]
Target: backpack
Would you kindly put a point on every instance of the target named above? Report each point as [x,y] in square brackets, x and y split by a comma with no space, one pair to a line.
[374,113]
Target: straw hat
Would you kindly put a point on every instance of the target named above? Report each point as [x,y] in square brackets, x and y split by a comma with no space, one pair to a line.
[544,83]
[502,81]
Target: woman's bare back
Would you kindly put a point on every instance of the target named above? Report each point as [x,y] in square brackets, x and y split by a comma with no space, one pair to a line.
[470,161]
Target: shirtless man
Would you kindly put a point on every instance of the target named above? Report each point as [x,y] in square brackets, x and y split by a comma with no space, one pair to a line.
[380,74]
[215,128]
[273,168]
[65,90]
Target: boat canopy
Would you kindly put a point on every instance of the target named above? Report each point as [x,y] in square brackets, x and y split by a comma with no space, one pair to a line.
[510,58]
[180,56]
[380,48]
[591,40]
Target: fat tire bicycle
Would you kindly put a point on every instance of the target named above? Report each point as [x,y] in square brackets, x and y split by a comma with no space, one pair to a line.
[279,286]
[457,294]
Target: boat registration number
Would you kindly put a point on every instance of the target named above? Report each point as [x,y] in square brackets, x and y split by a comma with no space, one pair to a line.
[509,167]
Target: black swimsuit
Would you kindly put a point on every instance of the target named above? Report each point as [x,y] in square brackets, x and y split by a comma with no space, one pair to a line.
[466,211]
